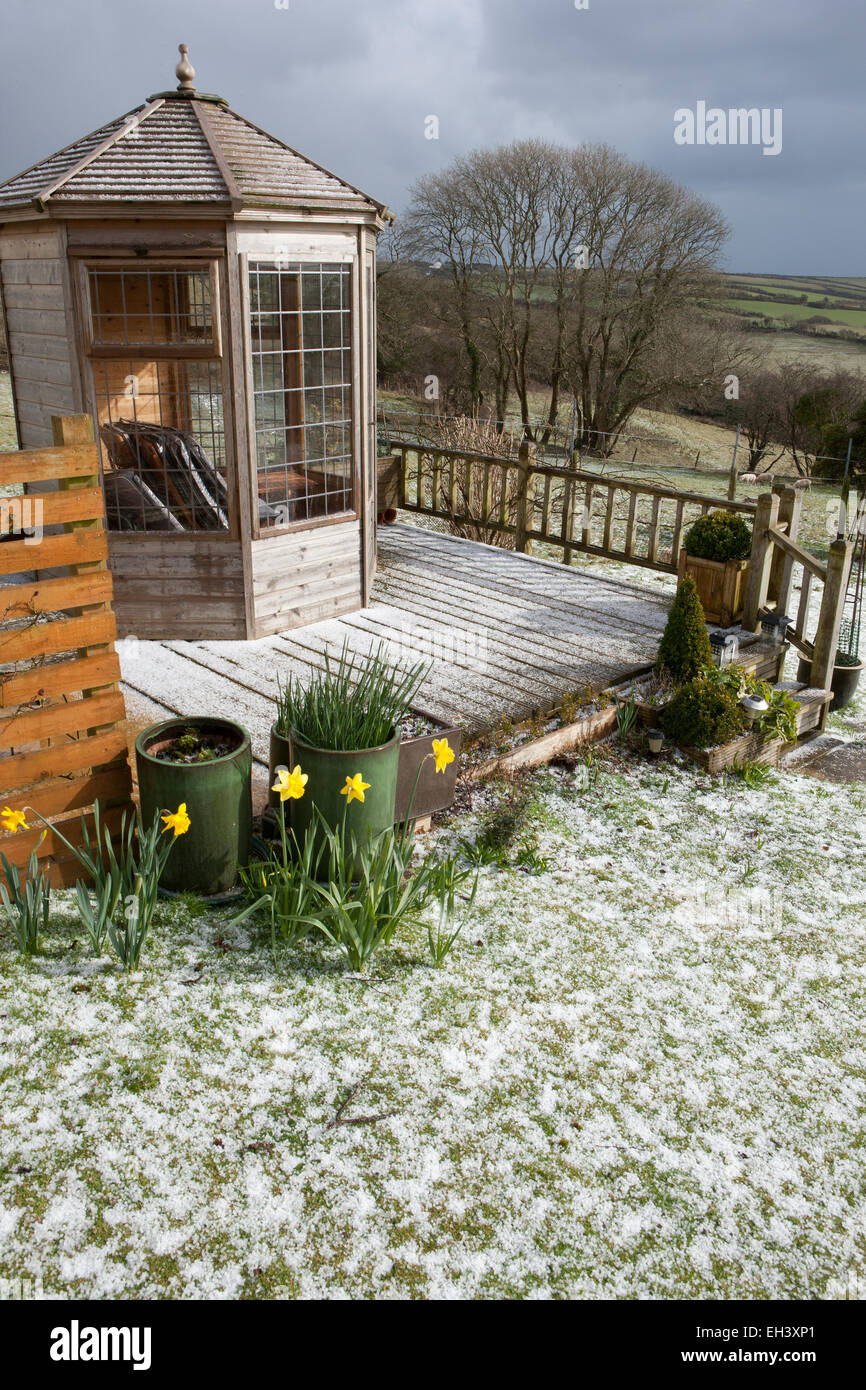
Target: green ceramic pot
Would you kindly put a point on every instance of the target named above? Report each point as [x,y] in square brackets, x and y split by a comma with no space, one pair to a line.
[218,802]
[327,771]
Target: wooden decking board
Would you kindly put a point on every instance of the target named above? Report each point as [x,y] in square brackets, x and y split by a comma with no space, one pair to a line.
[589,607]
[607,636]
[548,629]
[589,598]
[553,633]
[518,669]
[505,673]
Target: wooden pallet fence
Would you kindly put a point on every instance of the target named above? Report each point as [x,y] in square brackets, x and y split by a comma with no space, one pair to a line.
[62,739]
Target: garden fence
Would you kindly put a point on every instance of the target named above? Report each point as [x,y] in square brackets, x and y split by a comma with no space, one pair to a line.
[62,737]
[566,508]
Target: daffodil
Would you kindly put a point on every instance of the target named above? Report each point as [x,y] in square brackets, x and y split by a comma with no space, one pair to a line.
[14,821]
[354,788]
[178,821]
[443,753]
[290,784]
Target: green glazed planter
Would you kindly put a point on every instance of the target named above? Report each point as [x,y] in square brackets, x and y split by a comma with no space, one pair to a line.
[218,802]
[327,771]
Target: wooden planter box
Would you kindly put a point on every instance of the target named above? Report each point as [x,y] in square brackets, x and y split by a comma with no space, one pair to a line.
[387,483]
[647,714]
[538,751]
[721,586]
[758,748]
[435,789]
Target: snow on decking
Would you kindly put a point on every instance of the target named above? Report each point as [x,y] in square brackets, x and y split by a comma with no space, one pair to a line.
[507,634]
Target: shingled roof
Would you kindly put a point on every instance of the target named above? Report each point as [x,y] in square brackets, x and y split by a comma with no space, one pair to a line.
[183,147]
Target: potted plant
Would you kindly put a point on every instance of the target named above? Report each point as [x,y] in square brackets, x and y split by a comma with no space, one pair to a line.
[844,680]
[684,650]
[205,765]
[715,554]
[342,728]
[721,717]
[423,785]
[705,712]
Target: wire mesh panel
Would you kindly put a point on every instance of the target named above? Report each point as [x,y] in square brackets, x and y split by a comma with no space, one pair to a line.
[300,329]
[159,408]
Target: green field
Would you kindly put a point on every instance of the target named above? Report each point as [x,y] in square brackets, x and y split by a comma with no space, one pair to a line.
[853,318]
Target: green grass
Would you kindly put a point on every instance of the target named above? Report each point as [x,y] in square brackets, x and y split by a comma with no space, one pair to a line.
[853,318]
[602,1094]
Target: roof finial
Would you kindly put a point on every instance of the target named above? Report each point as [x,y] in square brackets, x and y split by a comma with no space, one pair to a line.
[185,72]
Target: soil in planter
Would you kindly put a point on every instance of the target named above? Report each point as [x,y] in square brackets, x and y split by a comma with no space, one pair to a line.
[193,746]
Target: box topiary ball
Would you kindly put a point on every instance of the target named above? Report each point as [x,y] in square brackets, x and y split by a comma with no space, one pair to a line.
[719,536]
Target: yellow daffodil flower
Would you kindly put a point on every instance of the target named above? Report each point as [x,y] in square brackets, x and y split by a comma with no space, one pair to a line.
[14,821]
[443,753]
[290,784]
[178,821]
[354,788]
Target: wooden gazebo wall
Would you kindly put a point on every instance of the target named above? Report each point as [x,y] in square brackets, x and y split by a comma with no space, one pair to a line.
[204,585]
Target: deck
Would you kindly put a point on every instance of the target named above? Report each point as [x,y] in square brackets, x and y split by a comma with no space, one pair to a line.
[507,634]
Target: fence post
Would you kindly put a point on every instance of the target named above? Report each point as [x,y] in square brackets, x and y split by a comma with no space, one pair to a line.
[782,567]
[758,578]
[830,618]
[732,480]
[525,504]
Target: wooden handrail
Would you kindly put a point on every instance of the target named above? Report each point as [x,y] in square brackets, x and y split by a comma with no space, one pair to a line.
[545,470]
[798,554]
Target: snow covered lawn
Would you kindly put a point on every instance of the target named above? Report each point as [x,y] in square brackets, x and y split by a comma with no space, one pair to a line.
[625,1082]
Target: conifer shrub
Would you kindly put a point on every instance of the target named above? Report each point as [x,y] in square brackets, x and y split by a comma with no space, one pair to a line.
[685,646]
[719,536]
[703,713]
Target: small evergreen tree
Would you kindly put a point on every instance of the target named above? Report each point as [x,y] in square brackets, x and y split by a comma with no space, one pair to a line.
[685,648]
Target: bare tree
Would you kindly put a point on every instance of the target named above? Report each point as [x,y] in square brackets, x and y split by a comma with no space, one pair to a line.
[816,409]
[760,413]
[600,257]
[441,227]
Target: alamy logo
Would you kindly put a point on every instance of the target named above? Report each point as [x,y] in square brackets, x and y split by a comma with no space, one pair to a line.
[736,126]
[22,516]
[76,1343]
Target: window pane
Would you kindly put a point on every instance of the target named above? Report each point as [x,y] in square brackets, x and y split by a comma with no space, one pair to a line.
[154,306]
[301,352]
[163,445]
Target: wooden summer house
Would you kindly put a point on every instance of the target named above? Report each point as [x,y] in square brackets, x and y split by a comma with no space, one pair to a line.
[207,294]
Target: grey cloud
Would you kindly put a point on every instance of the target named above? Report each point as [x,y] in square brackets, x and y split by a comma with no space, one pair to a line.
[350,83]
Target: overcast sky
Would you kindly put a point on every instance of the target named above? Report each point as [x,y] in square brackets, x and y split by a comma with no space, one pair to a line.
[351,82]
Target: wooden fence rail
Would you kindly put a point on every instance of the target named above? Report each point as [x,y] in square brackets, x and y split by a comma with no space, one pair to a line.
[62,741]
[567,508]
[620,519]
[774,559]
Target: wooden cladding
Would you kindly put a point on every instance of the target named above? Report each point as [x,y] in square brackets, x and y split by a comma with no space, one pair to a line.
[62,740]
[306,576]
